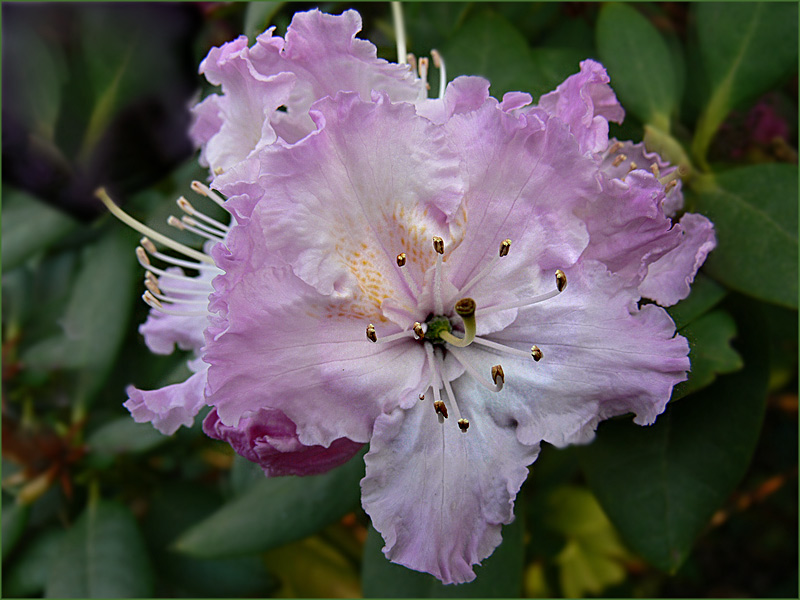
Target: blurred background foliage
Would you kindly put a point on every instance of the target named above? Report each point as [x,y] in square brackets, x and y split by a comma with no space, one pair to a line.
[702,504]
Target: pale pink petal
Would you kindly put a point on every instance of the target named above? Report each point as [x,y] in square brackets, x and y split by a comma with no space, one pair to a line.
[463,94]
[170,407]
[439,496]
[586,103]
[668,278]
[269,439]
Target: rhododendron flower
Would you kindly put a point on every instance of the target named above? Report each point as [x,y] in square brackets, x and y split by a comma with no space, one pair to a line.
[453,281]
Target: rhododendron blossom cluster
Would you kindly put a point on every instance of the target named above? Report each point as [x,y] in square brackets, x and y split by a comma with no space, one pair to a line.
[451,280]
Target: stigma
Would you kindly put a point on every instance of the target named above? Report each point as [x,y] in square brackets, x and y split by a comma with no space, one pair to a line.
[450,332]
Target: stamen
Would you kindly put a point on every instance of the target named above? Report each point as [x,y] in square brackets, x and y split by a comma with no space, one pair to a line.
[183,225]
[505,247]
[191,222]
[206,191]
[421,397]
[399,32]
[449,389]
[172,300]
[463,425]
[670,185]
[152,251]
[460,356]
[396,336]
[371,335]
[502,348]
[412,60]
[465,308]
[401,259]
[615,147]
[536,353]
[438,62]
[561,284]
[561,280]
[438,244]
[655,170]
[440,408]
[619,160]
[438,302]
[423,71]
[418,330]
[187,207]
[633,167]
[145,230]
[153,302]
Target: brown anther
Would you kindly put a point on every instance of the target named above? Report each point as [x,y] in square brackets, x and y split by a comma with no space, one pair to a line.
[148,245]
[421,397]
[438,244]
[497,373]
[655,170]
[371,335]
[463,425]
[142,256]
[418,330]
[152,287]
[561,280]
[440,408]
[670,185]
[175,222]
[465,307]
[536,353]
[151,300]
[619,160]
[505,246]
[401,259]
[633,166]
[615,147]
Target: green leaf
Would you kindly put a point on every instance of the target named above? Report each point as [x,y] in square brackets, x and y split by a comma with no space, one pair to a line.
[258,16]
[639,64]
[15,518]
[275,512]
[705,294]
[591,559]
[125,435]
[661,484]
[96,315]
[27,575]
[500,575]
[101,556]
[489,46]
[709,350]
[551,66]
[746,48]
[754,210]
[29,226]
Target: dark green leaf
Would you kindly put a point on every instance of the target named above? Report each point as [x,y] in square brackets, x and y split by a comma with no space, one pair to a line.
[15,517]
[488,45]
[500,575]
[551,66]
[639,64]
[275,512]
[661,484]
[29,226]
[704,296]
[754,210]
[101,556]
[746,48]
[710,351]
[125,435]
[258,16]
[27,575]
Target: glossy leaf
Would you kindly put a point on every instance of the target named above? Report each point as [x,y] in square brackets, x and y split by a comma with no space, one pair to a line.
[488,45]
[29,226]
[705,294]
[746,48]
[639,64]
[661,484]
[27,575]
[275,512]
[125,435]
[500,575]
[754,210]
[101,556]
[709,350]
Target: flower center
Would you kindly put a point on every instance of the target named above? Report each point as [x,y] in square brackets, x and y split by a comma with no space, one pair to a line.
[438,334]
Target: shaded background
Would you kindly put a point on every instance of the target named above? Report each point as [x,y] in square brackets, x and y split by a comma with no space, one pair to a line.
[703,504]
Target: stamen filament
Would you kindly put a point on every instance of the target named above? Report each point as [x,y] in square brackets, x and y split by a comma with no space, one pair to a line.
[151,250]
[396,336]
[187,207]
[438,62]
[469,368]
[423,70]
[399,32]
[449,389]
[206,191]
[183,226]
[145,262]
[152,302]
[165,298]
[502,348]
[145,230]
[505,246]
[518,303]
[438,302]
[191,222]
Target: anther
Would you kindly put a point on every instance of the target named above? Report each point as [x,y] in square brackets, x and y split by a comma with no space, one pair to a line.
[151,300]
[655,170]
[438,244]
[401,259]
[421,397]
[536,353]
[619,160]
[561,280]
[440,408]
[175,222]
[505,246]
[463,425]
[633,167]
[670,185]
[418,330]
[371,335]
[497,375]
[148,245]
[615,147]
[152,287]
[142,256]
